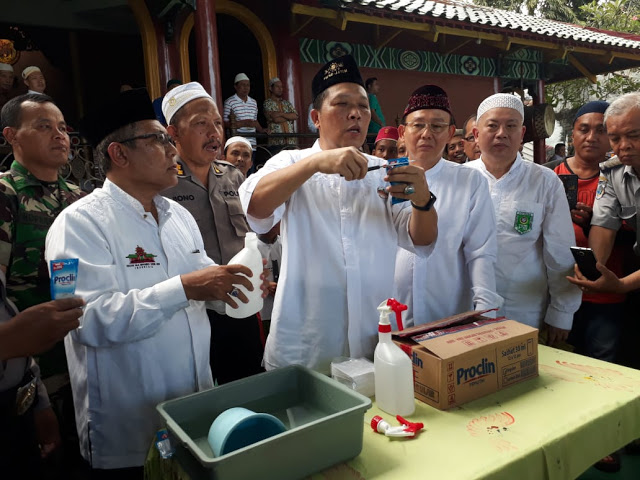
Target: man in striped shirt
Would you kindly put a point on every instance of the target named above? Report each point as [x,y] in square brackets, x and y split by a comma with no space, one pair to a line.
[245,110]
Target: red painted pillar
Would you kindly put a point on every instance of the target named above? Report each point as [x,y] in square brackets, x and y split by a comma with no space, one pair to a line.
[164,62]
[539,152]
[167,48]
[206,33]
[290,71]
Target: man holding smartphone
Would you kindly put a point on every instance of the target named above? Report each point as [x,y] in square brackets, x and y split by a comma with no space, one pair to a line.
[616,198]
[597,323]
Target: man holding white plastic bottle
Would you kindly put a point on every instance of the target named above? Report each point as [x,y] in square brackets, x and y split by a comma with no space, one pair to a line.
[145,277]
[208,188]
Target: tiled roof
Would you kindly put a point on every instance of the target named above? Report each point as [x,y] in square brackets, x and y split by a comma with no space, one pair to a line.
[491,17]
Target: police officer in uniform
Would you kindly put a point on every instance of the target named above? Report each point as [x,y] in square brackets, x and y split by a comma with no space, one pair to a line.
[208,188]
[23,397]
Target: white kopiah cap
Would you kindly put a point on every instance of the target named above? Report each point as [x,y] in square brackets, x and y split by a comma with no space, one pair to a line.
[272,81]
[500,100]
[175,99]
[28,71]
[5,67]
[237,139]
[240,77]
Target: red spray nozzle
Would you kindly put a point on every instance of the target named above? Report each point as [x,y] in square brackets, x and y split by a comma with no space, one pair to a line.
[398,308]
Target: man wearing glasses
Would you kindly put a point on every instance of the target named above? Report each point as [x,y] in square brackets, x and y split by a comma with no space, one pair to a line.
[471,147]
[459,274]
[145,276]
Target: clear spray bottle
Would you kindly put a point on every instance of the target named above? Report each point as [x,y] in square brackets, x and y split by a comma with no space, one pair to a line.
[393,370]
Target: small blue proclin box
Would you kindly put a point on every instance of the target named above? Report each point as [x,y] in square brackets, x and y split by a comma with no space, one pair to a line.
[64,274]
[398,162]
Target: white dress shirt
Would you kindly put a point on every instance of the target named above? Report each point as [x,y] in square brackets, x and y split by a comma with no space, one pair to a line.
[339,242]
[531,266]
[140,341]
[460,273]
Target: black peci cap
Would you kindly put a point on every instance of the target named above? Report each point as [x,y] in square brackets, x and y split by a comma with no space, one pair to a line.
[128,107]
[339,70]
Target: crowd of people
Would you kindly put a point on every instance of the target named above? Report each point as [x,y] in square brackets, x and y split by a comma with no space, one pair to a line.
[339,233]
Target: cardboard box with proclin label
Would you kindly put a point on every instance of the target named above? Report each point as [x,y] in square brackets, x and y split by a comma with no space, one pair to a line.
[467,356]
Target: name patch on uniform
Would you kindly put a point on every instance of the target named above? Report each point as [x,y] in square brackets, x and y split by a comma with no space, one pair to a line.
[231,193]
[183,198]
[524,222]
[141,259]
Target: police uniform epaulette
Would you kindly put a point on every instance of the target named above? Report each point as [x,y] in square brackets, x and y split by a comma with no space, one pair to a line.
[224,163]
[609,164]
[221,166]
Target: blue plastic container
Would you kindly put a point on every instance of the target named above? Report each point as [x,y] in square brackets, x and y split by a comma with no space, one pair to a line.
[239,427]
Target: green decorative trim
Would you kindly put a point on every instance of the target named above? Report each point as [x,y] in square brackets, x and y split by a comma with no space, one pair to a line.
[523,64]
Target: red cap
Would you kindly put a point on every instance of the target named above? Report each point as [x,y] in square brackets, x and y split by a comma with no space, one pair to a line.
[387,133]
[375,421]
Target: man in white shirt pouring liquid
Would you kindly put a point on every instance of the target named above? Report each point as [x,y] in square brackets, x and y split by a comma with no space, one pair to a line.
[338,236]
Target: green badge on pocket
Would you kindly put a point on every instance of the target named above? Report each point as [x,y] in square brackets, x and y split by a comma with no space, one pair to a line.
[524,222]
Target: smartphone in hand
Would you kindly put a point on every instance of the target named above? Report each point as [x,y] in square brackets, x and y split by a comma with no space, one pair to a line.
[586,261]
[570,183]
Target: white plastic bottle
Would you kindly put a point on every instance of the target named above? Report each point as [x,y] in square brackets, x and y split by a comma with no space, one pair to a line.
[393,371]
[250,257]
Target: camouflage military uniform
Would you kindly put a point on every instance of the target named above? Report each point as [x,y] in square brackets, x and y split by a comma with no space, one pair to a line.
[28,207]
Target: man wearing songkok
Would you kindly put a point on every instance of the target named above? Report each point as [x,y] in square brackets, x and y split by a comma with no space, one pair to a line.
[455,148]
[616,197]
[243,108]
[597,324]
[534,223]
[339,237]
[471,148]
[459,275]
[237,151]
[386,144]
[280,114]
[208,188]
[34,80]
[144,274]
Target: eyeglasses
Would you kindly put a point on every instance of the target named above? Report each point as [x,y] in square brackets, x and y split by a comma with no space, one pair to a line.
[470,138]
[160,137]
[419,127]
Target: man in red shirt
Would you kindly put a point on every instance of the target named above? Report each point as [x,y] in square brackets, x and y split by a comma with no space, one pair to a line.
[597,324]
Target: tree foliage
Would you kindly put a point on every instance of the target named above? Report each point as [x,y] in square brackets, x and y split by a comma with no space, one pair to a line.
[562,10]
[567,97]
[615,15]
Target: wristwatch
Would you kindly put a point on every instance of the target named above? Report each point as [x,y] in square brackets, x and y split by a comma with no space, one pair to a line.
[429,204]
